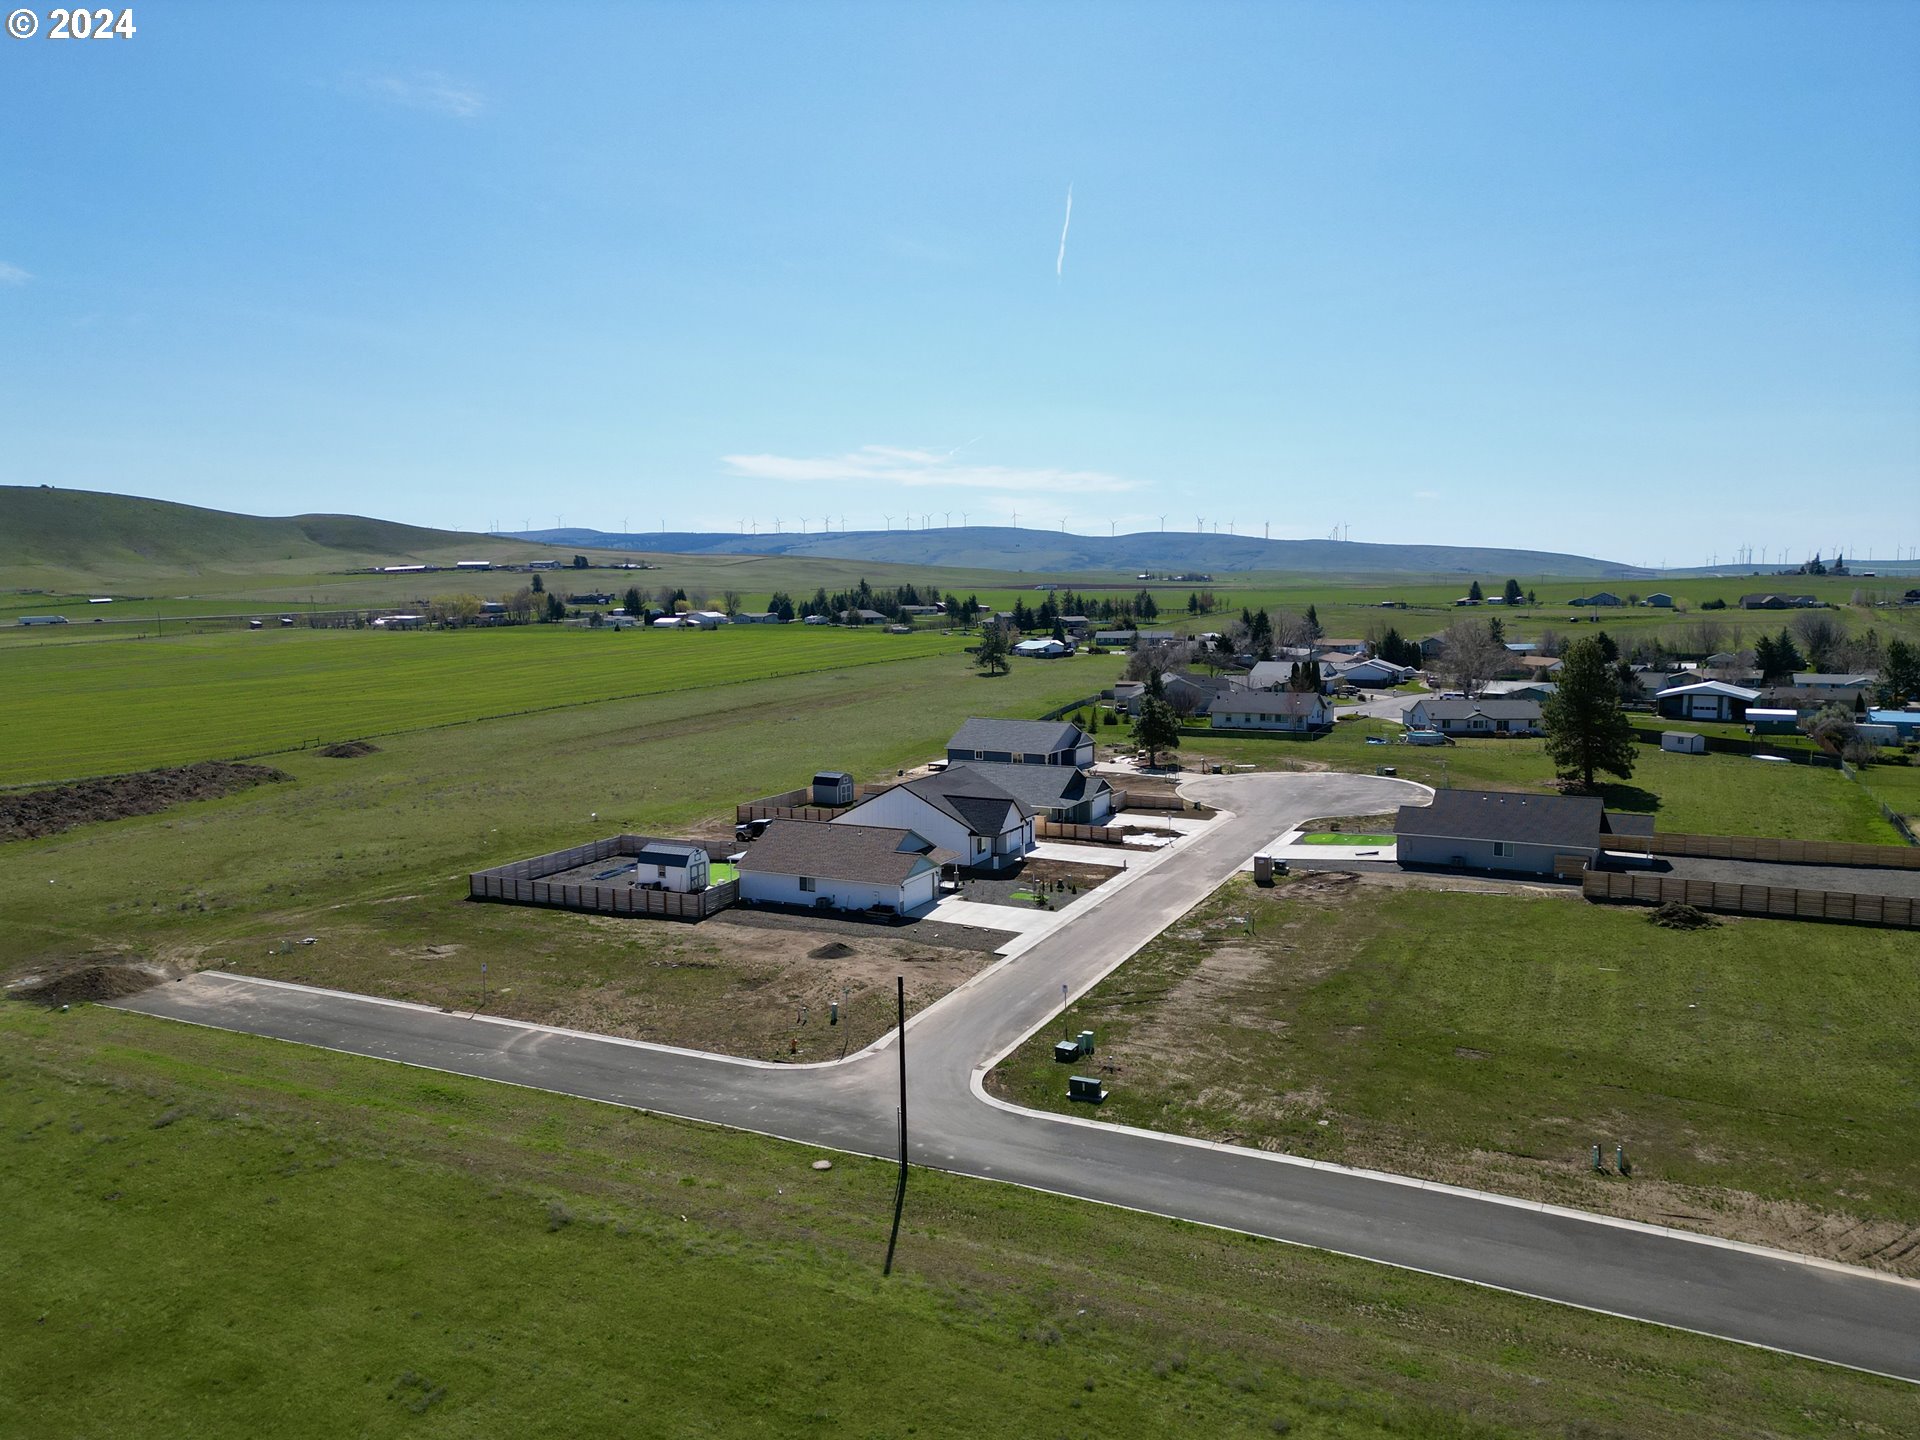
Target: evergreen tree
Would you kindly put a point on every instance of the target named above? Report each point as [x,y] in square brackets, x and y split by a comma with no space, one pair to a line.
[1587,731]
[1609,651]
[1474,592]
[1193,602]
[1496,631]
[1313,623]
[556,609]
[539,586]
[991,653]
[1900,676]
[1514,597]
[1157,729]
[632,603]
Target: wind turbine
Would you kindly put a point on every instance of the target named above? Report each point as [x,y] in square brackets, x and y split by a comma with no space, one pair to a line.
[963,519]
[1200,523]
[776,524]
[949,515]
[1016,519]
[1163,524]
[889,520]
[803,524]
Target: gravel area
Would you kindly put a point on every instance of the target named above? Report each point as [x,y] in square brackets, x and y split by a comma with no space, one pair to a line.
[1851,879]
[924,932]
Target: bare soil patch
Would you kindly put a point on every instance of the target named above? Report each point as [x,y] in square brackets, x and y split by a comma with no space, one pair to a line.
[31,814]
[78,979]
[349,750]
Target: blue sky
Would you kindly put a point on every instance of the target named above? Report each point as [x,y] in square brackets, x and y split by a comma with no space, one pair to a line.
[1640,280]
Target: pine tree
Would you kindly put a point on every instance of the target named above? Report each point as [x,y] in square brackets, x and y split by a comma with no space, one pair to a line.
[1157,729]
[1514,597]
[1474,592]
[1587,731]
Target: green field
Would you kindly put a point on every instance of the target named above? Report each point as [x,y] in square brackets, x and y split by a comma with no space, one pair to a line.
[1323,838]
[1762,1074]
[221,1236]
[98,709]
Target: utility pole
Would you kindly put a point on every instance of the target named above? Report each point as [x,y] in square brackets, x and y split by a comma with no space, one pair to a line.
[900,1190]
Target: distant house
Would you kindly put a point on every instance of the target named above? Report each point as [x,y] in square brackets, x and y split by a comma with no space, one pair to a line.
[1905,722]
[1660,600]
[843,867]
[1805,700]
[1517,689]
[1431,647]
[1021,742]
[1839,686]
[703,619]
[1772,720]
[1372,673]
[661,865]
[1483,717]
[1194,694]
[960,809]
[667,622]
[1778,602]
[1054,792]
[1601,597]
[1347,647]
[1510,833]
[863,617]
[756,617]
[1288,712]
[1042,649]
[1075,624]
[1538,667]
[1705,700]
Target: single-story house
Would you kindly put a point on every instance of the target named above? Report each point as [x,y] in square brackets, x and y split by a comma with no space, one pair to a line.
[1778,602]
[1474,717]
[1843,686]
[842,867]
[1513,833]
[960,809]
[1054,792]
[1075,624]
[1021,742]
[1660,600]
[1517,689]
[1194,695]
[1323,647]
[662,865]
[1705,700]
[1042,649]
[1684,742]
[757,617]
[1374,673]
[1285,711]
[1599,597]
[1906,722]
[864,617]
[1808,701]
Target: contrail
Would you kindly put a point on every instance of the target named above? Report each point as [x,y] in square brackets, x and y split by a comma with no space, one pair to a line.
[1060,260]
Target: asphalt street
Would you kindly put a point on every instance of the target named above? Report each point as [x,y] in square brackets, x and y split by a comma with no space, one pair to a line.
[1847,1316]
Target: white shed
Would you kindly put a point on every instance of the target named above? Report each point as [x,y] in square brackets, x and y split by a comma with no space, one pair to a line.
[1683,742]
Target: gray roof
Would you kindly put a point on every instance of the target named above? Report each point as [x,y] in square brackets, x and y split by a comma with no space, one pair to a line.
[1282,702]
[963,793]
[1028,737]
[1814,677]
[874,854]
[1574,821]
[1492,709]
[673,856]
[831,776]
[1042,787]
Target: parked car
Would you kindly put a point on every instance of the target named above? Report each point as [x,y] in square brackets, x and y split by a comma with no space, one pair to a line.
[751,829]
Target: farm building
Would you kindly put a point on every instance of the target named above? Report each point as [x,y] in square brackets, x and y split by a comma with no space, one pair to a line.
[664,865]
[1779,602]
[1286,712]
[1599,597]
[960,810]
[667,622]
[1485,716]
[1772,720]
[1660,600]
[1683,742]
[1054,792]
[1021,742]
[1506,832]
[1042,649]
[1906,723]
[843,867]
[1706,700]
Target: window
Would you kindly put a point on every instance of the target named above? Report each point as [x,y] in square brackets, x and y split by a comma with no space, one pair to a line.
[806,883]
[1503,849]
[979,754]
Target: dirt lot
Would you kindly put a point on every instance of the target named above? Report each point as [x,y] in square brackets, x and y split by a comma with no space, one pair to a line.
[1036,876]
[30,814]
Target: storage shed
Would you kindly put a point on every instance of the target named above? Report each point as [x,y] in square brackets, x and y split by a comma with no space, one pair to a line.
[1683,742]
[666,866]
[833,787]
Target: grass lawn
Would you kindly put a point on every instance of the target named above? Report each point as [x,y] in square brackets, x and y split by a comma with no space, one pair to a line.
[1764,1075]
[1897,787]
[1325,838]
[1699,794]
[221,1236]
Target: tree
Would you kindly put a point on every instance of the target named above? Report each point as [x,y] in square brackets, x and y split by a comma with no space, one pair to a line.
[1497,632]
[1776,656]
[1832,729]
[519,605]
[539,585]
[991,653]
[579,562]
[1900,678]
[1513,595]
[1608,650]
[1469,656]
[1304,678]
[556,609]
[1587,731]
[1157,729]
[1474,592]
[634,603]
[1822,638]
[730,601]
[1314,631]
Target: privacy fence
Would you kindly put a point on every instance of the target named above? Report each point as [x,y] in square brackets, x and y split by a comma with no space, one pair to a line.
[524,883]
[793,805]
[1777,901]
[1769,849]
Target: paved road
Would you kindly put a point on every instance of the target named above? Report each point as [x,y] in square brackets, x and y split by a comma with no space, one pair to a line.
[1832,1313]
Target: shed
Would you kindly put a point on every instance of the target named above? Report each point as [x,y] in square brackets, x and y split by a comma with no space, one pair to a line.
[1773,720]
[664,865]
[833,787]
[1683,742]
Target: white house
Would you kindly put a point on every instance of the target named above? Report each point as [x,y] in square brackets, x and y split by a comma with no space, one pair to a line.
[1284,711]
[825,865]
[959,810]
[1474,717]
[667,622]
[662,865]
[703,619]
[1048,649]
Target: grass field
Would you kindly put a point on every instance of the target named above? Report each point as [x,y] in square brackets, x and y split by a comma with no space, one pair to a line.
[1698,794]
[1762,1074]
[370,856]
[98,709]
[223,1236]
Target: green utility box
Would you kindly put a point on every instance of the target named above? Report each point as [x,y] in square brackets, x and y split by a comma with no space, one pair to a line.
[1085,1087]
[1066,1052]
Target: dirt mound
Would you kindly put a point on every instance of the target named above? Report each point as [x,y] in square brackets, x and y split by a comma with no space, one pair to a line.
[1675,916]
[30,814]
[834,950]
[349,750]
[92,977]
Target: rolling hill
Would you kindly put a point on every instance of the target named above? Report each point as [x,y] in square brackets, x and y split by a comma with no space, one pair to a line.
[1053,552]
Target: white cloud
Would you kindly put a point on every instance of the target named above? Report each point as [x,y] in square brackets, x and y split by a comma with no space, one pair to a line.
[889,465]
[427,90]
[12,274]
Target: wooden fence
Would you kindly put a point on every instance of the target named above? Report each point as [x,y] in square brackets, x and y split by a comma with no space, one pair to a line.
[1769,849]
[792,805]
[522,883]
[1098,834]
[1147,800]
[1777,901]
